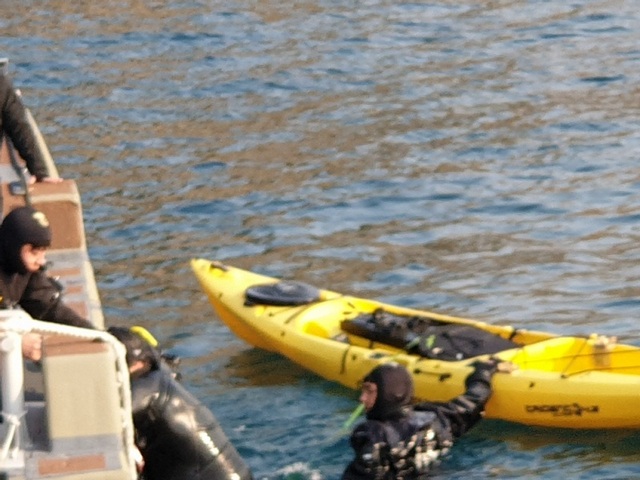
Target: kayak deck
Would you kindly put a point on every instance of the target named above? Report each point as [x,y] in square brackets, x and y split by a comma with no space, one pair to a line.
[558,381]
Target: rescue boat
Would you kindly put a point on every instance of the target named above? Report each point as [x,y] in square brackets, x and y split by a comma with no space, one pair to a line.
[573,382]
[68,416]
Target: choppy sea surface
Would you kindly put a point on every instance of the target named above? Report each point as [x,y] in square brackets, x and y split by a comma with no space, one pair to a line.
[478,158]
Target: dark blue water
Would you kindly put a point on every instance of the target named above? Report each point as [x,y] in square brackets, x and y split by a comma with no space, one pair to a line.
[476,158]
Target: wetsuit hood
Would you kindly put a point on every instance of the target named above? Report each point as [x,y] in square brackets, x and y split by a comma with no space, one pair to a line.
[23,225]
[137,347]
[395,391]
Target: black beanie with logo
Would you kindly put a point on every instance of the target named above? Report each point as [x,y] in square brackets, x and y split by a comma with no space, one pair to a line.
[23,225]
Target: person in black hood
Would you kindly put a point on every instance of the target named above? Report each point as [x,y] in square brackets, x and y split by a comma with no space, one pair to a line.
[25,235]
[393,388]
[399,440]
[179,438]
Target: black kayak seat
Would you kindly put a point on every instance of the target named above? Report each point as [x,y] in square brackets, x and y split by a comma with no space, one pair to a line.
[282,294]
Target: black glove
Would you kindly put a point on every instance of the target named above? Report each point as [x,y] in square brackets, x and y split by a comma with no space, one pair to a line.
[483,371]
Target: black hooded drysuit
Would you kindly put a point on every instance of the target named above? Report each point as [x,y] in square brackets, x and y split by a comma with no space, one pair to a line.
[178,437]
[400,441]
[35,292]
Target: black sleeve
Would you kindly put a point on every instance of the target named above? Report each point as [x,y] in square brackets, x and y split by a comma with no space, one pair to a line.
[17,127]
[463,412]
[65,315]
[42,299]
[362,441]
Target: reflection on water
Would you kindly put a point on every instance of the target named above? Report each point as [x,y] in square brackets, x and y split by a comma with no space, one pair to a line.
[477,158]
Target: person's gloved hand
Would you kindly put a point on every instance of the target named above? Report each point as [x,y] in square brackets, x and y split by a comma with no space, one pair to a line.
[483,370]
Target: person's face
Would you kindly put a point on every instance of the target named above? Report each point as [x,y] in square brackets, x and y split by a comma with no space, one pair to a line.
[138,368]
[368,395]
[32,257]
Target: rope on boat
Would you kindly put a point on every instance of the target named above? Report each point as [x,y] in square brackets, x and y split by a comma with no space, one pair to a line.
[563,374]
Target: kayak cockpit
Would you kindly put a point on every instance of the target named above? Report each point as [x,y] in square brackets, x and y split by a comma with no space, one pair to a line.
[573,355]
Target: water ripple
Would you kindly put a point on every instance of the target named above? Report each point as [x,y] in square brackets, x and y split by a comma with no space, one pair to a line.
[478,158]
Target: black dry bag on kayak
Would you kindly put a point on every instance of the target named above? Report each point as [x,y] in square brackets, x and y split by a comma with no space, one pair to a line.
[457,342]
[427,337]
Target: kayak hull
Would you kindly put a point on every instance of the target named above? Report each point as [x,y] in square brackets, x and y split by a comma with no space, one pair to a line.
[558,381]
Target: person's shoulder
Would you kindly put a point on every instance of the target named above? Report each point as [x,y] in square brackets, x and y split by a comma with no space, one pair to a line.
[153,377]
[149,384]
[423,418]
[367,426]
[41,278]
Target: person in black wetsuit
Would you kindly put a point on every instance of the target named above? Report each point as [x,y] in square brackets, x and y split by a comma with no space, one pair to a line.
[178,437]
[401,440]
[15,125]
[25,236]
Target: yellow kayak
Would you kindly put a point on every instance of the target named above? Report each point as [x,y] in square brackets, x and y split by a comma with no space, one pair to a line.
[556,381]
